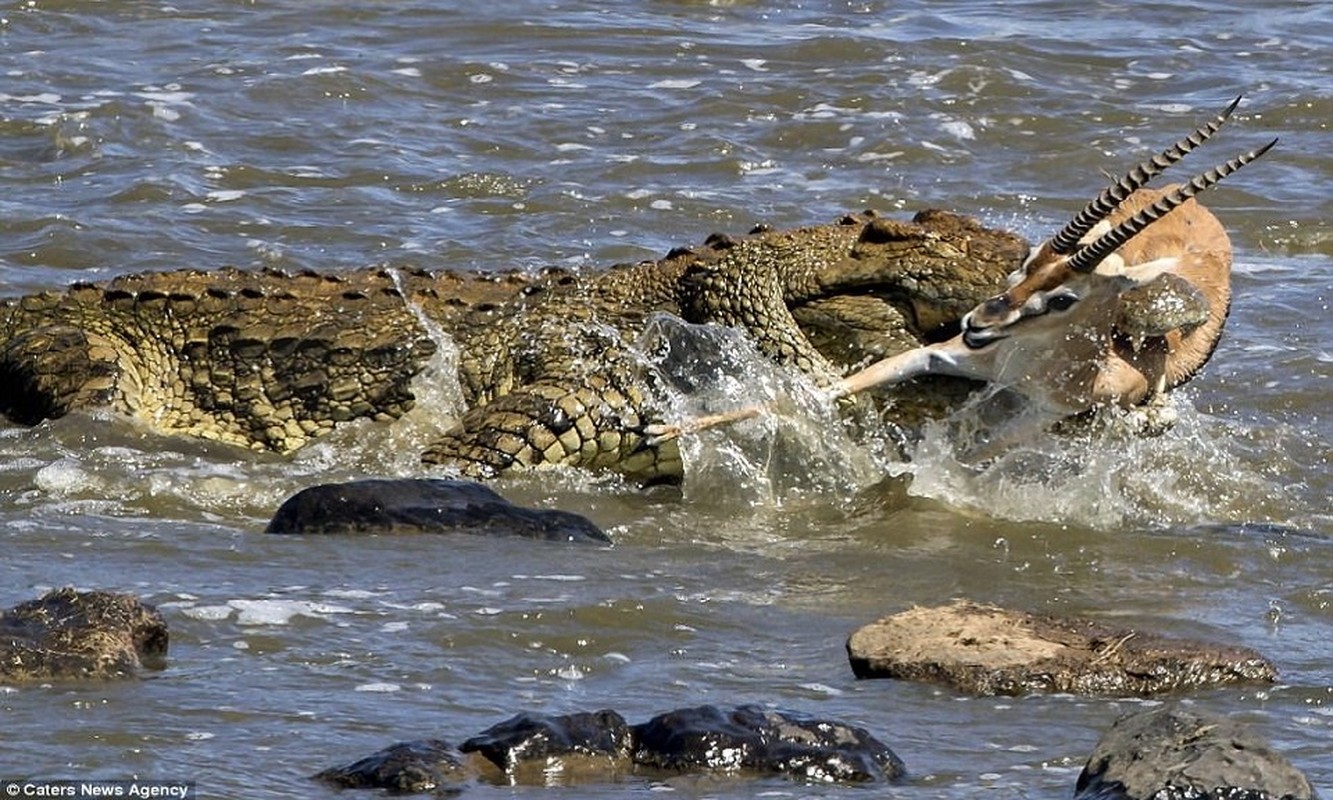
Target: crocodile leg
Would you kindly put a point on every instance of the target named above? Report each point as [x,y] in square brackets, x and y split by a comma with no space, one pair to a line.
[548,424]
[740,292]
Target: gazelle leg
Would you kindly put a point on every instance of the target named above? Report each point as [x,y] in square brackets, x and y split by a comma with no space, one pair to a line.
[933,359]
[655,435]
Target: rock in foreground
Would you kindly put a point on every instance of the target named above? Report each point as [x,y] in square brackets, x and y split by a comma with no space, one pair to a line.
[600,747]
[585,743]
[993,651]
[72,635]
[424,506]
[1172,754]
[424,765]
[763,740]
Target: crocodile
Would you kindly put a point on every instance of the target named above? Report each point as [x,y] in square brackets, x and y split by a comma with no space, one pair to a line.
[547,360]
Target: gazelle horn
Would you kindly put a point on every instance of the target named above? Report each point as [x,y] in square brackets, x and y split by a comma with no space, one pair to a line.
[1087,258]
[1112,196]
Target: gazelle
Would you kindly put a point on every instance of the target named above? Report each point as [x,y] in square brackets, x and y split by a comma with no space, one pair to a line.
[1051,334]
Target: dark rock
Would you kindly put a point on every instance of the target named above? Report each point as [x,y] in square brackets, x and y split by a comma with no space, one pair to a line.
[543,738]
[424,506]
[1173,754]
[539,749]
[72,635]
[753,738]
[993,651]
[423,765]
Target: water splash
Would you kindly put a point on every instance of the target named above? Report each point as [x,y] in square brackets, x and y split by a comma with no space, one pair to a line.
[439,403]
[799,449]
[437,386]
[1105,473]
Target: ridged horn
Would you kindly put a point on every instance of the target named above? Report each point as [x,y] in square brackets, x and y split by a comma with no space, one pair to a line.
[1087,259]
[1067,239]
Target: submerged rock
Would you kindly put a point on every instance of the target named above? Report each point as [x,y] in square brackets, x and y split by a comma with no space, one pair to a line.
[1173,754]
[423,765]
[71,635]
[762,740]
[541,749]
[424,505]
[993,651]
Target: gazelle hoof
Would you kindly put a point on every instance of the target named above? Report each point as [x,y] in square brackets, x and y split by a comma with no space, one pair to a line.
[654,435]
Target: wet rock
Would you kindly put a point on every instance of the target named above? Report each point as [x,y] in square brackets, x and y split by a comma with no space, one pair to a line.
[756,739]
[424,506]
[1173,754]
[579,746]
[423,765]
[993,651]
[71,635]
[1164,305]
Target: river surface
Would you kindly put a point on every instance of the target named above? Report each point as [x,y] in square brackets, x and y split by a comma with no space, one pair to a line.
[295,133]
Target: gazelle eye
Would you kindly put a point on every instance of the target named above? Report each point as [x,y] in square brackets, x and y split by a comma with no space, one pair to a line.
[1061,302]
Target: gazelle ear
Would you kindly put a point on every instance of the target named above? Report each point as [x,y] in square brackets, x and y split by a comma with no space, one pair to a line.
[1149,271]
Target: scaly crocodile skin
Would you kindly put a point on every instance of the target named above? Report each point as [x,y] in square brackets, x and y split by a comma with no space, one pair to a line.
[270,361]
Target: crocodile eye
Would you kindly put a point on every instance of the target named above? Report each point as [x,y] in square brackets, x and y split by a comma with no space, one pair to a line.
[1061,302]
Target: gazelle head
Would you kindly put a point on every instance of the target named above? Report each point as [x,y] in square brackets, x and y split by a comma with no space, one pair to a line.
[1067,286]
[1050,335]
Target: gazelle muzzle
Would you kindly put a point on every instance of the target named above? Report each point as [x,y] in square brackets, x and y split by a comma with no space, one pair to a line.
[989,322]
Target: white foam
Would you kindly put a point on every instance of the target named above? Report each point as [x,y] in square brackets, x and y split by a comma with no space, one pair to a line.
[46,98]
[281,612]
[822,688]
[208,613]
[684,83]
[165,96]
[64,477]
[353,594]
[958,129]
[378,687]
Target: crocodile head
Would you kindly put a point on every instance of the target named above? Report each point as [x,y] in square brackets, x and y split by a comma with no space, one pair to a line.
[932,269]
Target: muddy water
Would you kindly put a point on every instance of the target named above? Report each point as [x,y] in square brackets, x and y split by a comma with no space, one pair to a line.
[152,136]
